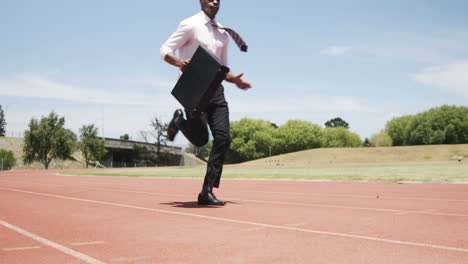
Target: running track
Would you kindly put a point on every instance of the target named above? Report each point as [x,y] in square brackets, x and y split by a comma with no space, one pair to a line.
[46,218]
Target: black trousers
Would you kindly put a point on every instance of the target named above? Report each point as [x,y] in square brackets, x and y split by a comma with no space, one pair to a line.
[196,131]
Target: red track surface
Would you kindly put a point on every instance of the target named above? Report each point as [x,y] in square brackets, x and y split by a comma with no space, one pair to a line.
[45,218]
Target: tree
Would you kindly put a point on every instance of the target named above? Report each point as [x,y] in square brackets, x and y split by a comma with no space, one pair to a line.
[439,125]
[381,139]
[143,155]
[297,135]
[340,137]
[366,143]
[47,140]
[7,159]
[159,133]
[90,145]
[399,129]
[2,122]
[125,137]
[337,122]
[251,139]
[200,152]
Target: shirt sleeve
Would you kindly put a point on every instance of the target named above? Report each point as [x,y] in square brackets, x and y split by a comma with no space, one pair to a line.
[176,40]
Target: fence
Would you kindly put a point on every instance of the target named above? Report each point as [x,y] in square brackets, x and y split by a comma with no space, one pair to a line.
[14,134]
[4,164]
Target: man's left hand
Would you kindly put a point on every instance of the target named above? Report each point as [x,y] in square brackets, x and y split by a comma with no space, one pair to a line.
[237,79]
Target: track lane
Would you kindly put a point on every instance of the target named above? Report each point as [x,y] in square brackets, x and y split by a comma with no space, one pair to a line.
[325,245]
[227,237]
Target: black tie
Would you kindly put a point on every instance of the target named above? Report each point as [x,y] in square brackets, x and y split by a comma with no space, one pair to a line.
[234,36]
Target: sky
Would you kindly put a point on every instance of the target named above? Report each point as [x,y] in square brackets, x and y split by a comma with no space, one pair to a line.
[366,61]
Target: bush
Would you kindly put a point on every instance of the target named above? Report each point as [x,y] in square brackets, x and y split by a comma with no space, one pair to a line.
[297,135]
[340,137]
[200,152]
[7,159]
[251,139]
[439,125]
[381,139]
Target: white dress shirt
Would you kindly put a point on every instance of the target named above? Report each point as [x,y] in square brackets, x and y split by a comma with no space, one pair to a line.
[194,31]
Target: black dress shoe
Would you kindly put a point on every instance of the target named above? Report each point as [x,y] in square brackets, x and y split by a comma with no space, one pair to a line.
[208,198]
[172,128]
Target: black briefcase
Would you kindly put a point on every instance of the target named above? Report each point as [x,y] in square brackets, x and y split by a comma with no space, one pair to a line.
[199,81]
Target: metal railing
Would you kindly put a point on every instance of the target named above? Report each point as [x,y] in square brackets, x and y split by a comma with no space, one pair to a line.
[14,134]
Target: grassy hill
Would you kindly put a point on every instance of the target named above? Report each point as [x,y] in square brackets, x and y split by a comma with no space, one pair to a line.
[16,146]
[390,164]
[302,158]
[365,155]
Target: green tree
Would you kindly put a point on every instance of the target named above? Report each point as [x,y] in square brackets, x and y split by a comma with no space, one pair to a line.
[439,125]
[366,143]
[144,156]
[251,139]
[125,137]
[7,159]
[200,152]
[339,137]
[2,122]
[423,133]
[336,122]
[297,135]
[90,145]
[445,124]
[47,140]
[381,139]
[399,129]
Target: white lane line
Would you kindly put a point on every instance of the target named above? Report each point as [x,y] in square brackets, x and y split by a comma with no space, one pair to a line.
[390,241]
[49,243]
[396,211]
[355,196]
[299,224]
[304,194]
[426,212]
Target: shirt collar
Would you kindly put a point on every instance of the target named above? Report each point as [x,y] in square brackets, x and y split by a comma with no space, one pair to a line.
[206,19]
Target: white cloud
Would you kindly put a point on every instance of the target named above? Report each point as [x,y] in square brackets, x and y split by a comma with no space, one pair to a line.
[335,50]
[452,77]
[43,86]
[405,52]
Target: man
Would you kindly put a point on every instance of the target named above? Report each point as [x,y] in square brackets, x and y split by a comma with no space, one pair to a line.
[202,29]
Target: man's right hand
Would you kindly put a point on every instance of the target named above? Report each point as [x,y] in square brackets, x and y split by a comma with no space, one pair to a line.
[184,64]
[176,61]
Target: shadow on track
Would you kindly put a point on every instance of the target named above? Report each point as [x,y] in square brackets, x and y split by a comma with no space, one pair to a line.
[194,204]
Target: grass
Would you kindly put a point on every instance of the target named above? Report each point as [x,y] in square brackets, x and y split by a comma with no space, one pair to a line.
[447,171]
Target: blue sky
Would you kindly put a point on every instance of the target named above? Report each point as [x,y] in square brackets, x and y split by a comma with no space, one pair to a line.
[366,61]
